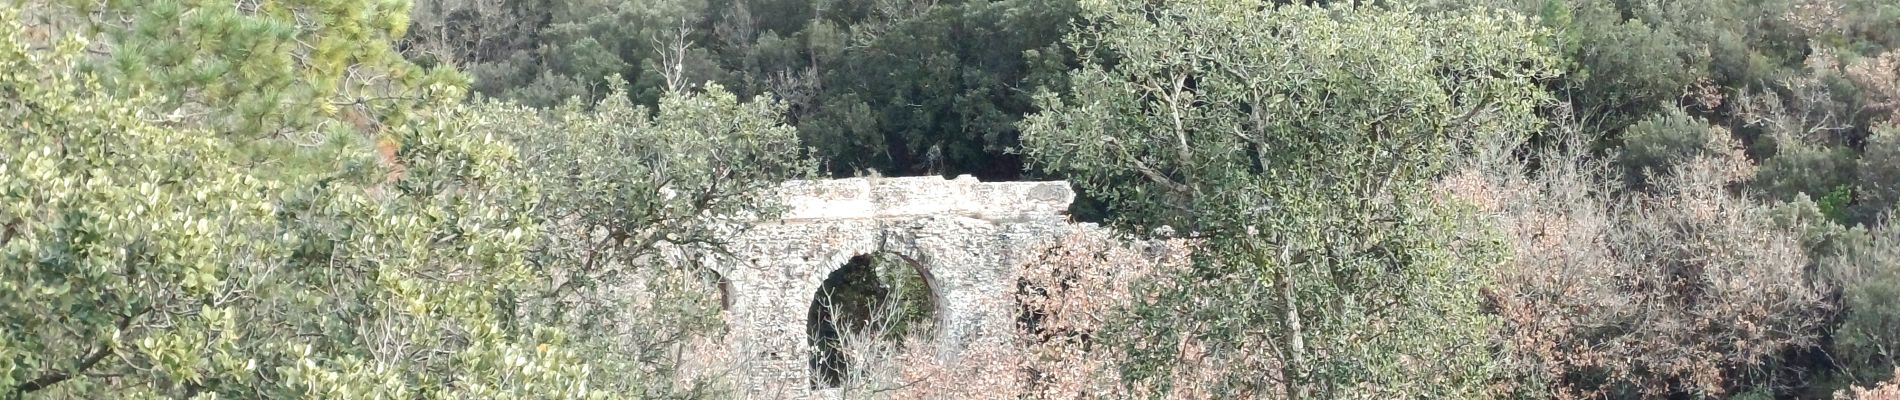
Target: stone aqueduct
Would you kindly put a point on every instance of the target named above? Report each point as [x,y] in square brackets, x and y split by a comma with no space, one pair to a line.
[965,237]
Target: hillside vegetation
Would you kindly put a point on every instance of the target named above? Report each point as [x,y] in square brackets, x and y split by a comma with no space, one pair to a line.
[474,199]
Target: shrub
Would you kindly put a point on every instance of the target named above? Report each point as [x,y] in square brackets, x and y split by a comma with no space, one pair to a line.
[1879,172]
[1689,290]
[1654,144]
[1884,391]
[1867,342]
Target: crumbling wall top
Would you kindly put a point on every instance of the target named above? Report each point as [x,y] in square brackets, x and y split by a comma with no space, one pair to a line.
[873,198]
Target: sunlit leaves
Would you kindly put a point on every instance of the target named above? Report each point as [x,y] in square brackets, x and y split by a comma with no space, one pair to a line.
[150,251]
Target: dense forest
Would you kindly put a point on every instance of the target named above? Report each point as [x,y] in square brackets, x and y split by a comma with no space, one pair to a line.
[469,199]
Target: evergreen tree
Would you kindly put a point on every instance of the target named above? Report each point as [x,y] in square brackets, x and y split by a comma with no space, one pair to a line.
[1302,155]
[263,201]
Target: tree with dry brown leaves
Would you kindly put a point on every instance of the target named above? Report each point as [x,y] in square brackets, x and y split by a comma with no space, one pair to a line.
[1688,290]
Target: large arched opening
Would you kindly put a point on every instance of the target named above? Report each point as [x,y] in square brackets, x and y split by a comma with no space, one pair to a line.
[878,297]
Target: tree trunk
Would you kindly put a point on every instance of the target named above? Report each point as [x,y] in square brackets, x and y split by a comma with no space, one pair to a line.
[1293,368]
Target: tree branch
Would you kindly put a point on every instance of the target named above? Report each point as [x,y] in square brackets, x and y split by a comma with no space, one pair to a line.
[7,232]
[1149,172]
[55,377]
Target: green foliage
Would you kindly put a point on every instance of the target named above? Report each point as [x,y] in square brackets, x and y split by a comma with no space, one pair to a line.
[149,260]
[898,86]
[1867,342]
[296,69]
[1879,173]
[908,302]
[291,199]
[1619,70]
[940,91]
[1805,169]
[158,241]
[1834,204]
[701,164]
[1302,155]
[541,52]
[618,186]
[1655,144]
[1822,236]
[111,220]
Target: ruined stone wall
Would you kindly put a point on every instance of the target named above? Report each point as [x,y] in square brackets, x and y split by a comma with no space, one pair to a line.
[964,236]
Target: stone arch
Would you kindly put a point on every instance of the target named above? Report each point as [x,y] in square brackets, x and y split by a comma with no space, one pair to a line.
[963,236]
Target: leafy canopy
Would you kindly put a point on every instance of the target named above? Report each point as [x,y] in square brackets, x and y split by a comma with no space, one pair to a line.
[1302,154]
[363,236]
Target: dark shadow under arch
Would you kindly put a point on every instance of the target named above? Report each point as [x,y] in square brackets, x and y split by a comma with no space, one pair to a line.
[881,294]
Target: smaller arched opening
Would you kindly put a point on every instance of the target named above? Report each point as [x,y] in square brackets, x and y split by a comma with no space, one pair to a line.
[705,278]
[866,307]
[724,287]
